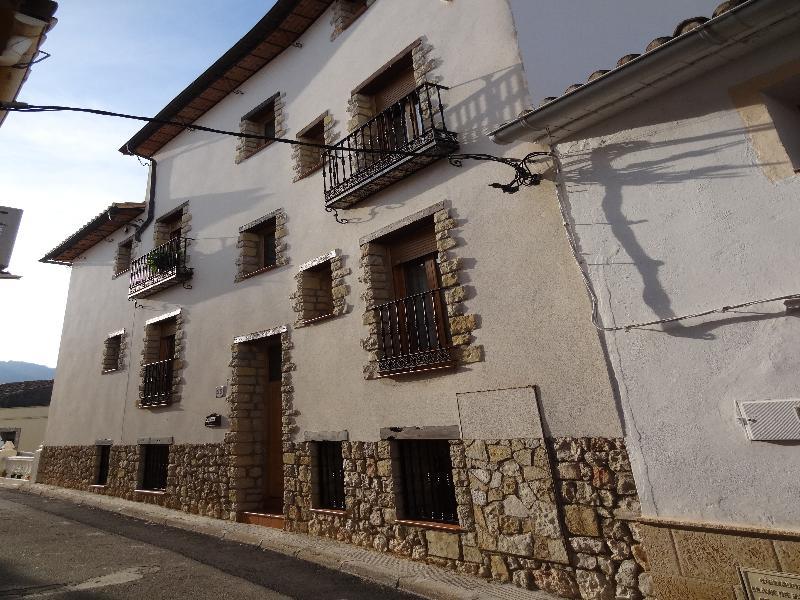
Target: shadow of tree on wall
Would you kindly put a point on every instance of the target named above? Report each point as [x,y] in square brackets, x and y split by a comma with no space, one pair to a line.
[601,166]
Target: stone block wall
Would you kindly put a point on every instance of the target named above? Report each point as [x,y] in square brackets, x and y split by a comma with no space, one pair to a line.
[695,561]
[67,466]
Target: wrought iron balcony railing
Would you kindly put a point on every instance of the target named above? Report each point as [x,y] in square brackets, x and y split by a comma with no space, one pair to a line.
[414,124]
[162,267]
[412,334]
[156,387]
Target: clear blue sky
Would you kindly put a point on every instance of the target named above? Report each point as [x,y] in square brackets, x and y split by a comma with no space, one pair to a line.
[62,169]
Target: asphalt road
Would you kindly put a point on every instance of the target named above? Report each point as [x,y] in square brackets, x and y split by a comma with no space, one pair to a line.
[57,550]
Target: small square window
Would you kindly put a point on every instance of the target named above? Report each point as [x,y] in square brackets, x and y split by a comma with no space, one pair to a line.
[122,263]
[155,459]
[426,481]
[308,159]
[112,353]
[328,466]
[259,246]
[261,121]
[103,461]
[315,292]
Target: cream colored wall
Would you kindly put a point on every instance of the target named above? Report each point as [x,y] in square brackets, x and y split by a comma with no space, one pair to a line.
[518,271]
[678,212]
[31,421]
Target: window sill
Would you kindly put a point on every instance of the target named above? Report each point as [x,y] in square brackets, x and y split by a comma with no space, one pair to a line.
[120,273]
[308,172]
[244,157]
[431,525]
[107,371]
[318,319]
[256,272]
[151,492]
[97,486]
[329,511]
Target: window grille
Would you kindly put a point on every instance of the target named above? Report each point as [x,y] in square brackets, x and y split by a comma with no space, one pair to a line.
[104,454]
[330,475]
[156,459]
[427,481]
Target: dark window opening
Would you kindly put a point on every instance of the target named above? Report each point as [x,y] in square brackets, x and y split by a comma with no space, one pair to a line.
[267,255]
[427,481]
[310,158]
[124,256]
[103,460]
[329,475]
[154,474]
[274,358]
[316,285]
[9,436]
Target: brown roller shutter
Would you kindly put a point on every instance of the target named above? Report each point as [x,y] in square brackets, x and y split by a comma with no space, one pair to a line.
[414,245]
[395,88]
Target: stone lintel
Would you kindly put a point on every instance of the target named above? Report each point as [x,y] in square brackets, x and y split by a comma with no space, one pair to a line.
[258,335]
[326,436]
[155,440]
[430,432]
[425,212]
[163,317]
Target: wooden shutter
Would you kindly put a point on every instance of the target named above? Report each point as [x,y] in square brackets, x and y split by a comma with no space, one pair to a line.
[414,245]
[396,86]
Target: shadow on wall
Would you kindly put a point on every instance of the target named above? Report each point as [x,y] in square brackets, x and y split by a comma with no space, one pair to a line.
[615,167]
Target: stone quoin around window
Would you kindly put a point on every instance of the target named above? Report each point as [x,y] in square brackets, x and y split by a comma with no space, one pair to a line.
[308,160]
[262,245]
[122,261]
[321,289]
[396,350]
[114,352]
[266,119]
[345,13]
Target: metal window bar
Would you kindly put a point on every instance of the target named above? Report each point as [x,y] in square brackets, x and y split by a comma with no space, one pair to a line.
[428,489]
[157,383]
[103,460]
[156,459]
[412,332]
[162,262]
[399,127]
[330,473]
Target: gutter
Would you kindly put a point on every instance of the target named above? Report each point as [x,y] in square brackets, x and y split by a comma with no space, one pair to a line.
[721,37]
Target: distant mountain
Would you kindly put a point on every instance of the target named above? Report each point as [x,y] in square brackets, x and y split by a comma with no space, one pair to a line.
[13,370]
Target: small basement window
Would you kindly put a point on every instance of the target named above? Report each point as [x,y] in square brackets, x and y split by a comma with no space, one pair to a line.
[315,292]
[103,462]
[155,458]
[426,481]
[122,262]
[328,473]
[112,353]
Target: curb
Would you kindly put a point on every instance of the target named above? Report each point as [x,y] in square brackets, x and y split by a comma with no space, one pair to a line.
[421,579]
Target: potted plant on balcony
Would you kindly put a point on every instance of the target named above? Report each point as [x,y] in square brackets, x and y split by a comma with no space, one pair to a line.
[159,260]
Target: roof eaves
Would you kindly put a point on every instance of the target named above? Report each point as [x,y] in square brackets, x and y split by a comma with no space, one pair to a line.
[269,24]
[634,76]
[119,214]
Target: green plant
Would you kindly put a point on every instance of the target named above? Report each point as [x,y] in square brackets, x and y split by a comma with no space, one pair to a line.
[159,259]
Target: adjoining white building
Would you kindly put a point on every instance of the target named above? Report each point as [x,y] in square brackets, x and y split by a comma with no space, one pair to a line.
[677,170]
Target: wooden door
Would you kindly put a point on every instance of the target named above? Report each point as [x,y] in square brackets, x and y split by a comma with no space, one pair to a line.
[272,428]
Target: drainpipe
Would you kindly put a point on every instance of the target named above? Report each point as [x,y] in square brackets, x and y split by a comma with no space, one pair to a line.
[151,195]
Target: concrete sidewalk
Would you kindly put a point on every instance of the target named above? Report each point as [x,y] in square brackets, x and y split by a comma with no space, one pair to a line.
[416,578]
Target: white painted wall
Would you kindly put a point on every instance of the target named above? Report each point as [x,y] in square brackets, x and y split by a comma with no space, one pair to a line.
[564,41]
[518,272]
[30,420]
[675,215]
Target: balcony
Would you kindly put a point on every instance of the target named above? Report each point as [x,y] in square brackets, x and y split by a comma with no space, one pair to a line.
[414,124]
[156,389]
[412,334]
[162,267]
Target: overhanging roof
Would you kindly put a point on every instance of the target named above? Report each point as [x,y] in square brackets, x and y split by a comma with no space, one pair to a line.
[96,230]
[735,31]
[278,30]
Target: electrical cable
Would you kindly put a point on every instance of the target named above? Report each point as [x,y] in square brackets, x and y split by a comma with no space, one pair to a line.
[596,320]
